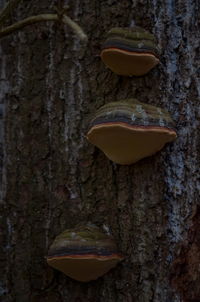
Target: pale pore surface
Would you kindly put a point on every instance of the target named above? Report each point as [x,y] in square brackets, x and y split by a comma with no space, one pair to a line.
[85,269]
[126,144]
[128,63]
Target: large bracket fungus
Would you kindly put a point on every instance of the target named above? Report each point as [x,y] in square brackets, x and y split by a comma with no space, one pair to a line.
[128,130]
[130,51]
[83,253]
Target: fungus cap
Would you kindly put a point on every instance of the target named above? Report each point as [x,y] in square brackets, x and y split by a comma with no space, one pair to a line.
[128,131]
[83,253]
[130,51]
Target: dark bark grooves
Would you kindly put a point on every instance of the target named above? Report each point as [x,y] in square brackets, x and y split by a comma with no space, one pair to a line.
[52,178]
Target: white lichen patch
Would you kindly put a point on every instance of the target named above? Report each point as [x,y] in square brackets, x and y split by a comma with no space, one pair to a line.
[133,117]
[143,113]
[161,120]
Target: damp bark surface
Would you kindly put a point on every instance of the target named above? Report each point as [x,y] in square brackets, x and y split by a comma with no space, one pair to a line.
[52,178]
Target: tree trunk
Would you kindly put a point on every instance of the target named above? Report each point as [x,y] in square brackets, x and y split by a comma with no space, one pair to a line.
[52,178]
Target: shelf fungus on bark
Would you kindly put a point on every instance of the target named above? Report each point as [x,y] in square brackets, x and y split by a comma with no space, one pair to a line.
[83,253]
[128,130]
[130,51]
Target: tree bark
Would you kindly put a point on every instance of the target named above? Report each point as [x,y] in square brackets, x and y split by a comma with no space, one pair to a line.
[52,178]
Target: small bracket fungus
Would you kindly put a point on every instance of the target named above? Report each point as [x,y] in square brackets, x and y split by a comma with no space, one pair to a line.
[130,51]
[128,130]
[83,253]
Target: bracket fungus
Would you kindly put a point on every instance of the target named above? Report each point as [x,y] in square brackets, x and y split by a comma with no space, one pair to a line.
[128,130]
[83,253]
[130,51]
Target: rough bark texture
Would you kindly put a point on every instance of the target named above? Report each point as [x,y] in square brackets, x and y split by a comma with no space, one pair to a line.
[52,178]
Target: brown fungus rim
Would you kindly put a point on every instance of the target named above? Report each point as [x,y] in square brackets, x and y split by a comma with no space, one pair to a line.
[134,127]
[135,52]
[87,256]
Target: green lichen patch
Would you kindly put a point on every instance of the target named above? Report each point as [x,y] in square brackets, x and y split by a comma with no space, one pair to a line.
[134,33]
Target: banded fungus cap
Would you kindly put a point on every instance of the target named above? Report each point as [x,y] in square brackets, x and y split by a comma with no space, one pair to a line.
[83,253]
[130,51]
[128,130]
